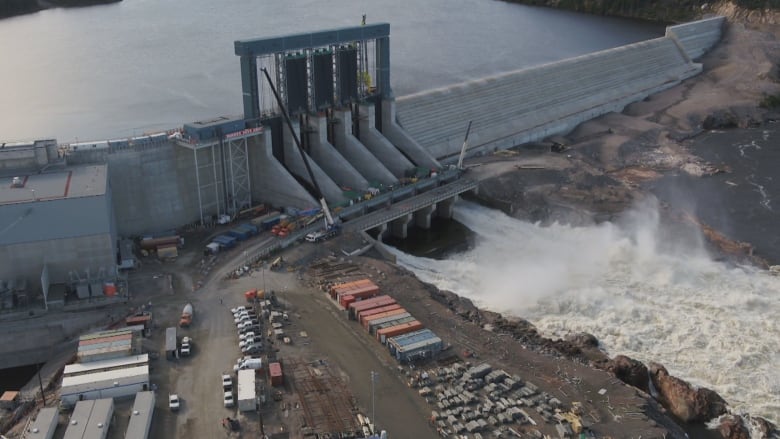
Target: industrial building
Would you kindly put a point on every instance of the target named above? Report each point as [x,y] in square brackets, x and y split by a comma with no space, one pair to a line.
[141,416]
[113,384]
[76,369]
[90,419]
[57,224]
[106,345]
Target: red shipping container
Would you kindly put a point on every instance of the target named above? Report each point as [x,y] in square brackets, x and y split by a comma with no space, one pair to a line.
[369,312]
[361,289]
[345,301]
[383,334]
[367,321]
[277,378]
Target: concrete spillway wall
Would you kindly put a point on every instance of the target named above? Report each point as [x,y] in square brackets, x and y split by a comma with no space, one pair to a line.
[698,37]
[533,103]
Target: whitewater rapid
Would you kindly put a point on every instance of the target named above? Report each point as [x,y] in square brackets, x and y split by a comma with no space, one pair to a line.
[643,291]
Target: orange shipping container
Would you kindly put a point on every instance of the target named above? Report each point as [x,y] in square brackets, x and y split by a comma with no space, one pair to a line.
[369,312]
[349,286]
[363,292]
[367,321]
[383,334]
[275,370]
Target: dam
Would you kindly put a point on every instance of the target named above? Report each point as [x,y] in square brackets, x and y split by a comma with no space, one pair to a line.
[367,149]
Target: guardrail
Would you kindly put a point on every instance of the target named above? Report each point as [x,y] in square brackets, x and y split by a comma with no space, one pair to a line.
[371,220]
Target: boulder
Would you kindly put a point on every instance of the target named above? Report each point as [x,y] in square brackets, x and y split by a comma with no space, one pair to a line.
[732,427]
[630,371]
[683,400]
[583,340]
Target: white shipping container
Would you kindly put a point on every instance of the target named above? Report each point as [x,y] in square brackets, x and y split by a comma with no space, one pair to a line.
[247,396]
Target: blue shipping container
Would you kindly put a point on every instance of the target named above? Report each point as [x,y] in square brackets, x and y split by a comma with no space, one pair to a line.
[226,241]
[249,228]
[270,222]
[412,337]
[238,234]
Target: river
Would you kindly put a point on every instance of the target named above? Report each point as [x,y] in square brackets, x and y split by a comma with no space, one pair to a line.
[136,66]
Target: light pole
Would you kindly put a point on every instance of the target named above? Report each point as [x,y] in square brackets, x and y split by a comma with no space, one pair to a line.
[374,376]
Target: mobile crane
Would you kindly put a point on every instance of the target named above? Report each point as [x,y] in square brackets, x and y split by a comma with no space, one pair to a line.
[331,227]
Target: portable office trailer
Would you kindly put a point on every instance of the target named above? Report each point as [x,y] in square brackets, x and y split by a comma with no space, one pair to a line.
[44,425]
[247,396]
[427,348]
[77,369]
[106,352]
[90,419]
[361,316]
[112,384]
[141,416]
[393,343]
[403,328]
[171,343]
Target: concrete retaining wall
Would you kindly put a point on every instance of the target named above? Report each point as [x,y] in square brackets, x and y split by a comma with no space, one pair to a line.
[531,104]
[698,37]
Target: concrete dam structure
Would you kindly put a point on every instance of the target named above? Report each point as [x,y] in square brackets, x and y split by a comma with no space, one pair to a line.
[530,104]
[355,135]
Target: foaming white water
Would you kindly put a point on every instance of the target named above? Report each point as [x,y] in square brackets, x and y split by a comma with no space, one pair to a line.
[642,292]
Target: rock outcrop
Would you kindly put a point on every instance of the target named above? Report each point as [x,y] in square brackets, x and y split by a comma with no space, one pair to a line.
[733,427]
[683,400]
[630,371]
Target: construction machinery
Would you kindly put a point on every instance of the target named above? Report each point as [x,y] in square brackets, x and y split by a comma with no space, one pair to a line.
[330,224]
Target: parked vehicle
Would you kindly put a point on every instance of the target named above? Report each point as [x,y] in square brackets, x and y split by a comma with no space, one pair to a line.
[173,402]
[227,382]
[252,363]
[252,348]
[228,399]
[186,316]
[238,309]
[246,341]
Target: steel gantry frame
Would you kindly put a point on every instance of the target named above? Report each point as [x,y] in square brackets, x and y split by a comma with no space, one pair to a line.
[250,50]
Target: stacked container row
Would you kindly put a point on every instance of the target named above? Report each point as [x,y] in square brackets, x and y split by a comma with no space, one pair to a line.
[379,310]
[355,308]
[336,289]
[370,322]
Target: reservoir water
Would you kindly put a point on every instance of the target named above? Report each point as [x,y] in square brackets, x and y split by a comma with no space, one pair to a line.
[137,66]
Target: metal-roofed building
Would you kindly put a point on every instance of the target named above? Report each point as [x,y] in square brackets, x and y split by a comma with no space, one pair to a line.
[90,419]
[111,384]
[44,425]
[141,416]
[62,218]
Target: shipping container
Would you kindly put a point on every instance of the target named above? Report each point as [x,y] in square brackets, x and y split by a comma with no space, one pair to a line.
[107,339]
[390,323]
[277,377]
[360,317]
[346,300]
[248,228]
[349,286]
[141,418]
[241,235]
[374,302]
[362,293]
[247,397]
[404,328]
[171,342]
[225,241]
[258,221]
[383,317]
[145,320]
[154,243]
[167,252]
[268,223]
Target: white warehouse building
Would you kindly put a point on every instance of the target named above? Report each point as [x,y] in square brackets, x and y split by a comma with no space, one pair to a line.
[112,384]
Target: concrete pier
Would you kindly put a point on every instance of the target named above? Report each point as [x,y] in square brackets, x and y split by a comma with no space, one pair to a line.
[268,172]
[403,141]
[445,208]
[294,162]
[356,153]
[399,227]
[329,159]
[422,217]
[380,147]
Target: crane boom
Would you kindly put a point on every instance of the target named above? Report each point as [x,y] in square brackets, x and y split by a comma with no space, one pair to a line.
[320,196]
[463,149]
